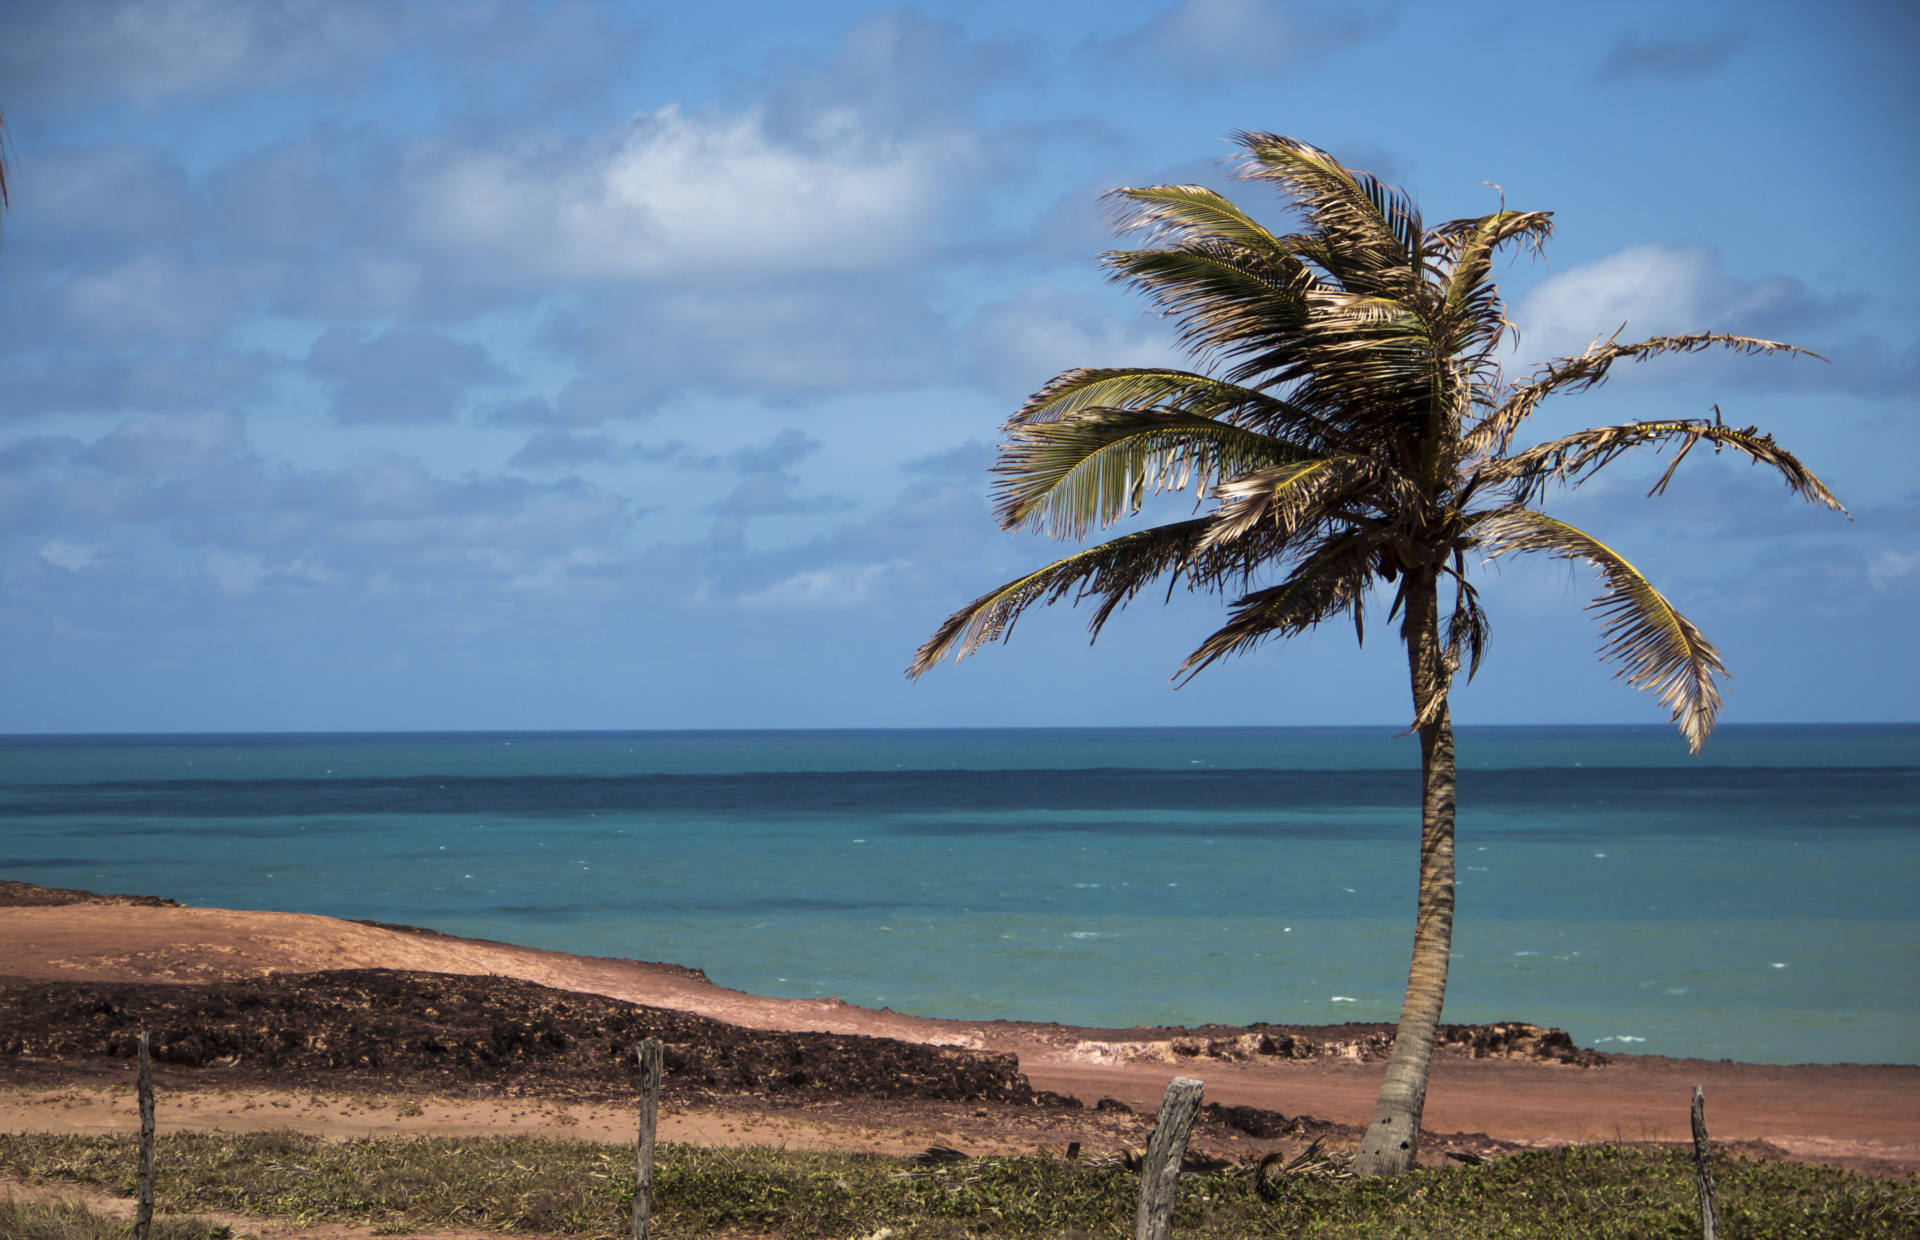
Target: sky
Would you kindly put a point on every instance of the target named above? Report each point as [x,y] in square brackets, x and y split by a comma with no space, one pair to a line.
[513,365]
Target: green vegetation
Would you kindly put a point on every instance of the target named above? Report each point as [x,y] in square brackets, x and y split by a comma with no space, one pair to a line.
[66,1220]
[1351,434]
[582,1189]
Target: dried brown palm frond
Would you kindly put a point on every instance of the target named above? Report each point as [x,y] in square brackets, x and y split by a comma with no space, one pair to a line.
[1114,571]
[1329,581]
[1573,458]
[1494,436]
[1375,242]
[1285,496]
[1269,1178]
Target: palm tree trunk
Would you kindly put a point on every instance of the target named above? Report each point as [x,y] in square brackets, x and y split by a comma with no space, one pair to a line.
[1393,1136]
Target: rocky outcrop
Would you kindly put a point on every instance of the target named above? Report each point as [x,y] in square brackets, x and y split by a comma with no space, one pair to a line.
[1362,1043]
[26,895]
[383,1028]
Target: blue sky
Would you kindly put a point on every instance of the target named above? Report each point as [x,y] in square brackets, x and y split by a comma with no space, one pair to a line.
[597,365]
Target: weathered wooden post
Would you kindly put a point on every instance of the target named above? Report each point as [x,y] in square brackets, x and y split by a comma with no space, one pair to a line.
[649,1120]
[1160,1169]
[1702,1172]
[143,1203]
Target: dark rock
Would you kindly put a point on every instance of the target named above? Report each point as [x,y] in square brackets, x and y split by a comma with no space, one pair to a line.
[386,1028]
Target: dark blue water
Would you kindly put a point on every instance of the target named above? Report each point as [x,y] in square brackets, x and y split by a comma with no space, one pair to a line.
[1753,903]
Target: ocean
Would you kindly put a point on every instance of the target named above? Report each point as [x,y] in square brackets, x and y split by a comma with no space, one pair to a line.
[1754,903]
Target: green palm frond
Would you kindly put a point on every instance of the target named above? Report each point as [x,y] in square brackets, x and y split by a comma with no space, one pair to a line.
[1494,435]
[1181,214]
[1658,649]
[1331,580]
[1094,467]
[1225,300]
[1114,571]
[1573,458]
[1174,391]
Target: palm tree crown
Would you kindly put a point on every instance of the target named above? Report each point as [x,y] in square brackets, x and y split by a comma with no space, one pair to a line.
[1357,425]
[1350,425]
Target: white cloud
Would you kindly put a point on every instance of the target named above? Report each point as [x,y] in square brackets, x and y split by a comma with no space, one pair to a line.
[160,297]
[841,587]
[1020,343]
[234,574]
[713,195]
[74,557]
[153,49]
[1653,290]
[1201,38]
[1891,566]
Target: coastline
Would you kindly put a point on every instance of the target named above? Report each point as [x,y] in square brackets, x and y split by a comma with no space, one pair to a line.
[1497,1084]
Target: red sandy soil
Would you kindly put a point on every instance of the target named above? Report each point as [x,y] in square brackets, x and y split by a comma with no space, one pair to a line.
[1497,1087]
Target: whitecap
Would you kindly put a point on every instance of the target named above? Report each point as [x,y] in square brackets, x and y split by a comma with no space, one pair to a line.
[1344,999]
[1676,990]
[1778,964]
[1527,953]
[1087,934]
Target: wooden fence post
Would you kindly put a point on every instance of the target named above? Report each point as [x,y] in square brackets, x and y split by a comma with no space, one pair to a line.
[649,1120]
[143,1203]
[1160,1169]
[1702,1172]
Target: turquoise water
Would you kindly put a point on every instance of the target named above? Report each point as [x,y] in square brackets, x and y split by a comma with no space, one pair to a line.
[1753,903]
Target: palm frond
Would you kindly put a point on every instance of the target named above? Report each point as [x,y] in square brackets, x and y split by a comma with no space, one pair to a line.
[1469,628]
[1574,458]
[1174,391]
[1095,466]
[1331,580]
[1378,240]
[1181,214]
[1658,649]
[1226,300]
[1114,571]
[1471,300]
[1284,496]
[1494,434]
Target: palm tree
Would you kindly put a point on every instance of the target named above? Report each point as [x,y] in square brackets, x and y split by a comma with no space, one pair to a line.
[1349,427]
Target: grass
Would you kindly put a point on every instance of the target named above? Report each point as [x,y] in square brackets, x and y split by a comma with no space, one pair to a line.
[66,1220]
[582,1189]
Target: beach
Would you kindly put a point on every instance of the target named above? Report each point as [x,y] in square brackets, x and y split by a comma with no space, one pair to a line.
[1752,904]
[1493,1088]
